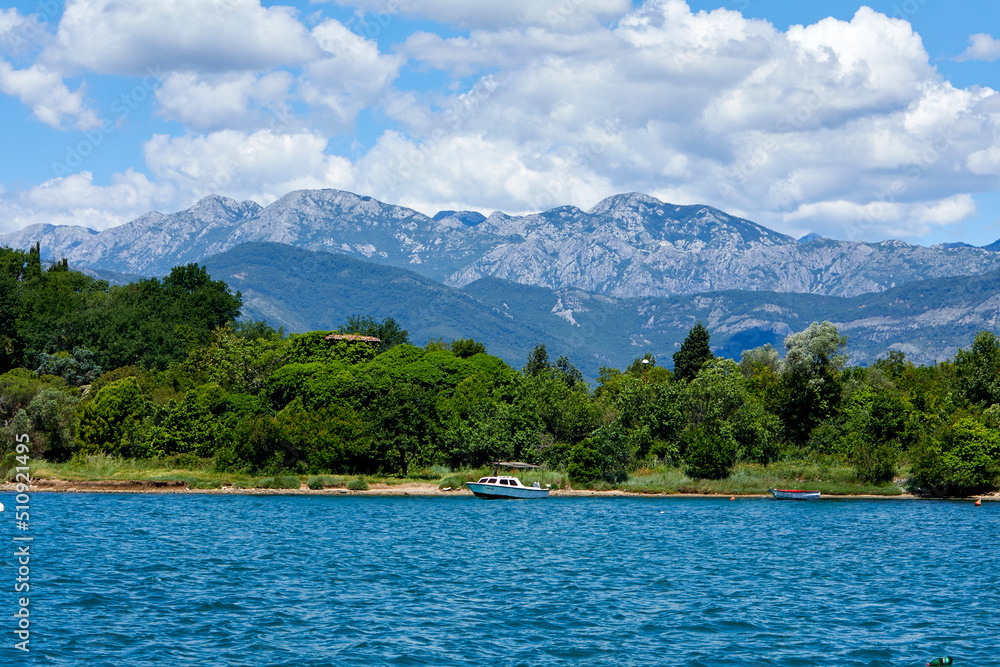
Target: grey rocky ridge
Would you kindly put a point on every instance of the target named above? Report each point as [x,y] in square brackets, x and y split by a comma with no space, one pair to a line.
[628,245]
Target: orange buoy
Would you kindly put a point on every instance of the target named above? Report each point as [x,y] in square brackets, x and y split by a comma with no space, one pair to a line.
[979,501]
[732,497]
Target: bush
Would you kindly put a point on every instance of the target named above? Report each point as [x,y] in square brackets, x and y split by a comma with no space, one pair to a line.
[584,464]
[357,485]
[282,482]
[324,482]
[874,462]
[710,455]
[966,460]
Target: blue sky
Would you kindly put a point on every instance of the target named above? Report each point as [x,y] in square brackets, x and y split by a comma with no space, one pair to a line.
[861,122]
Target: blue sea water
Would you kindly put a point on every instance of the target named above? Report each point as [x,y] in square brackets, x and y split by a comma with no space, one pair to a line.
[326,580]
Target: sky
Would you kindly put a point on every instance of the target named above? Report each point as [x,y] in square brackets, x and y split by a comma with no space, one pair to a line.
[857,122]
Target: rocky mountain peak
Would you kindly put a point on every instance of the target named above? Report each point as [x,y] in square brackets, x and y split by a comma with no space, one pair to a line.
[219,208]
[620,205]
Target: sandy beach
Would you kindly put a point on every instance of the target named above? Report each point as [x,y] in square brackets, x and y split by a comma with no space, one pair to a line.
[375,489]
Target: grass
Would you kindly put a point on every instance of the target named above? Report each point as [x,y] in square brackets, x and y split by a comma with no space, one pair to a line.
[828,476]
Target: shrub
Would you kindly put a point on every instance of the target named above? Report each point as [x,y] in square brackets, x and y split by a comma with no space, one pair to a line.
[282,482]
[710,455]
[584,464]
[966,460]
[874,461]
[316,483]
[357,485]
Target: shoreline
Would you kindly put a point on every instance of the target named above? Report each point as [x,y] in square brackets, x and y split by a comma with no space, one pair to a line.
[381,489]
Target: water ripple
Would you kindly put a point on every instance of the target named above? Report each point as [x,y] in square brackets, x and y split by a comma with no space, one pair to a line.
[291,580]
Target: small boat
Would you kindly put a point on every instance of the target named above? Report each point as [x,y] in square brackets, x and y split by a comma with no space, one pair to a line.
[506,486]
[794,494]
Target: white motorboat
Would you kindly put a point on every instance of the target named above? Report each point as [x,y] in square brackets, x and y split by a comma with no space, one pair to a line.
[794,494]
[506,486]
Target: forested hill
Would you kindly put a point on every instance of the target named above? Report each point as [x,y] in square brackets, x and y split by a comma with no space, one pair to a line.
[303,290]
[150,322]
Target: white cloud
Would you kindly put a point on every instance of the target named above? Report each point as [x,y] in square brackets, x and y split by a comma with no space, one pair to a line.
[50,100]
[230,100]
[804,127]
[841,127]
[554,14]
[981,47]
[130,36]
[985,161]
[261,166]
[442,174]
[351,75]
[76,200]
[15,30]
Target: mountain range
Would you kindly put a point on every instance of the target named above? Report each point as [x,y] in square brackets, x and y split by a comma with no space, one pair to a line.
[631,275]
[628,245]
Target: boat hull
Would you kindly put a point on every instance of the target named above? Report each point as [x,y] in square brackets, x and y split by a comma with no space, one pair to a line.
[794,494]
[498,492]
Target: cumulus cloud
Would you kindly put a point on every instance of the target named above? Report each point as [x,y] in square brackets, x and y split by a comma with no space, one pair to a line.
[840,127]
[350,75]
[77,200]
[981,47]
[261,165]
[228,100]
[50,100]
[799,129]
[131,36]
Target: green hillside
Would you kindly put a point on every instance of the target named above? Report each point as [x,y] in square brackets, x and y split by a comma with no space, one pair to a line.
[304,290]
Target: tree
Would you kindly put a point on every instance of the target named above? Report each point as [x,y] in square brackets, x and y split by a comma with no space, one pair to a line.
[77,369]
[965,460]
[978,370]
[811,380]
[388,330]
[538,361]
[717,402]
[694,352]
[710,454]
[111,422]
[570,375]
[467,347]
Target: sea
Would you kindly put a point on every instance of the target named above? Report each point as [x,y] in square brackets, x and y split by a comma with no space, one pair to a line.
[301,580]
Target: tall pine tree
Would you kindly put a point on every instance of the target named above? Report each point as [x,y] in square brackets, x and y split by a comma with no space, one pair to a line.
[694,352]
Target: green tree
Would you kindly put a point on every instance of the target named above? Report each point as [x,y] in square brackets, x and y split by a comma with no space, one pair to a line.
[403,428]
[694,352]
[467,347]
[569,373]
[112,421]
[710,454]
[978,370]
[77,369]
[584,464]
[717,401]
[877,430]
[811,381]
[538,361]
[963,461]
[239,364]
[388,330]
